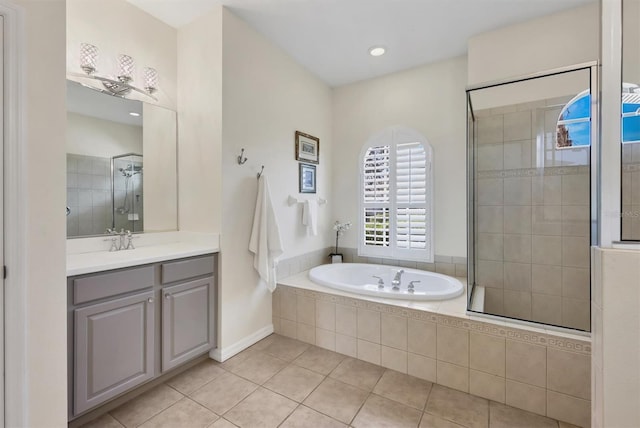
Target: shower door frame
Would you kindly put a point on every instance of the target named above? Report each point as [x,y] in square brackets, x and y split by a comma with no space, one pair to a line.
[595,195]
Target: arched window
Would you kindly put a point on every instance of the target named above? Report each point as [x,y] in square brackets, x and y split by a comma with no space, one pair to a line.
[396,193]
[630,113]
[574,123]
[573,128]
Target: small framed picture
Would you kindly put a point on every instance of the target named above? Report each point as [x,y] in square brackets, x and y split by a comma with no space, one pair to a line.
[307,148]
[307,178]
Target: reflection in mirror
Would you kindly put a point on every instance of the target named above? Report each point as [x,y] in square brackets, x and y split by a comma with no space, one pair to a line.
[529,167]
[630,129]
[126,176]
[110,185]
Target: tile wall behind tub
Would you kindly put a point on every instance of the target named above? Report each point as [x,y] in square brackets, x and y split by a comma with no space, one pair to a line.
[532,217]
[631,191]
[88,195]
[452,266]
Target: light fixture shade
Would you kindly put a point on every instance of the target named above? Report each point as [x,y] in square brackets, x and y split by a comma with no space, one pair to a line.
[125,67]
[150,79]
[88,57]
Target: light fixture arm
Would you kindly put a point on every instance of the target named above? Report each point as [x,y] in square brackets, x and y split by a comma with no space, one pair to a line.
[112,86]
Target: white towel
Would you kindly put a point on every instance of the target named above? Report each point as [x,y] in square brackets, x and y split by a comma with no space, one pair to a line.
[310,216]
[265,241]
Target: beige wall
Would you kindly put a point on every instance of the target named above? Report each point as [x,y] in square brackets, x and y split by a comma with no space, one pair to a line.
[200,117]
[117,27]
[160,169]
[45,338]
[566,38]
[615,377]
[429,99]
[97,137]
[266,98]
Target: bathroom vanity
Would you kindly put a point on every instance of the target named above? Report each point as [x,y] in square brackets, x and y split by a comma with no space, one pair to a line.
[130,325]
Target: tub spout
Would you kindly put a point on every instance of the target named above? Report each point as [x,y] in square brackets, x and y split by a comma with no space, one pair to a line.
[396,280]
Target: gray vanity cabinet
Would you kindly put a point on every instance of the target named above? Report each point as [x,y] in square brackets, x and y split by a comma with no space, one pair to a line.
[114,343]
[186,325]
[129,326]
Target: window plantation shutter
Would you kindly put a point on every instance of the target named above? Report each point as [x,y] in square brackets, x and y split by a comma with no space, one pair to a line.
[395,201]
[411,187]
[376,192]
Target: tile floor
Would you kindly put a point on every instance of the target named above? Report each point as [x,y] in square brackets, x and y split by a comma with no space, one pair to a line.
[281,382]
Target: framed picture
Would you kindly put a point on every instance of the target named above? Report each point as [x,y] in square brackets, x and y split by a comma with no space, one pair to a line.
[307,148]
[307,178]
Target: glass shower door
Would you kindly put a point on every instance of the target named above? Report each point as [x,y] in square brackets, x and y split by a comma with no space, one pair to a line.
[530,199]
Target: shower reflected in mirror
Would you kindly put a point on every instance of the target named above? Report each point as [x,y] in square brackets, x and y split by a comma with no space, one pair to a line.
[128,192]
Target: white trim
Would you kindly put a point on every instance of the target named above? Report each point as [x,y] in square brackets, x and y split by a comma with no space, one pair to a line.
[15,236]
[610,135]
[223,354]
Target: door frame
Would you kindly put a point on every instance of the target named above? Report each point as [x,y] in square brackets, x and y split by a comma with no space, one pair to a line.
[14,325]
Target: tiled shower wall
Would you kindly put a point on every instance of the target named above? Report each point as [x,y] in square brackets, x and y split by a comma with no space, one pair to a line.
[88,195]
[631,191]
[134,191]
[532,217]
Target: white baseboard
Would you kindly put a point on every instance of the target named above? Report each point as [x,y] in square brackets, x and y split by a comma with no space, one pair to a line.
[222,354]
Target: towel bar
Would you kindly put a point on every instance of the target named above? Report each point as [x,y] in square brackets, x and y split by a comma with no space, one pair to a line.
[292,201]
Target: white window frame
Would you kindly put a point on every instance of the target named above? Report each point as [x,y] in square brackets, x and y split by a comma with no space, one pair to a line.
[393,136]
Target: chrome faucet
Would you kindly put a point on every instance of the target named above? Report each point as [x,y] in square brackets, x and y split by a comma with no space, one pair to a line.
[396,280]
[380,281]
[117,240]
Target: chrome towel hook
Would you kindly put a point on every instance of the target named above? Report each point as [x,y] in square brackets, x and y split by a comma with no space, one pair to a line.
[241,159]
[260,173]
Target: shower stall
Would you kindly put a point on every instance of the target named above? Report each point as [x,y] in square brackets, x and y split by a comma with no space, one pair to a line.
[532,206]
[127,192]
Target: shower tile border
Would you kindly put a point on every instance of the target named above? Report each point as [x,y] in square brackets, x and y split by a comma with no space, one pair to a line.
[631,167]
[535,172]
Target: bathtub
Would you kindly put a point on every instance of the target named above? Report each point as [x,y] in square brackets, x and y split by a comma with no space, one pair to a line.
[360,279]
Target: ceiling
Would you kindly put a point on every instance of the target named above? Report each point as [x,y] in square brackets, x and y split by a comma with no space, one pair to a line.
[331,38]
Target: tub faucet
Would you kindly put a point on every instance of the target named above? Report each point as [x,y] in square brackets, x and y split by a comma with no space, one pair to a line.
[380,282]
[396,280]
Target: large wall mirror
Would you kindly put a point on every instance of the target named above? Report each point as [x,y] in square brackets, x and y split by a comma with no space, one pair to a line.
[630,138]
[121,164]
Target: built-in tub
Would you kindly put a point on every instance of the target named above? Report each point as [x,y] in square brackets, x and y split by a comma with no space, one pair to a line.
[363,279]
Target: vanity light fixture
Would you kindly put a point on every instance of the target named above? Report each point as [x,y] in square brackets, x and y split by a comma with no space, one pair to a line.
[377,50]
[134,114]
[122,85]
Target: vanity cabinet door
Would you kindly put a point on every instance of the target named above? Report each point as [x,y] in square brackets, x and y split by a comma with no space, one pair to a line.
[187,321]
[114,348]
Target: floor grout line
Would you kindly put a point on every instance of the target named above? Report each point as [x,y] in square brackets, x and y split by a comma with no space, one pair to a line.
[298,404]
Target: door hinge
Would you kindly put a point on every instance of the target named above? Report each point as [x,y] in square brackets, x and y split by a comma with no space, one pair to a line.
[4,272]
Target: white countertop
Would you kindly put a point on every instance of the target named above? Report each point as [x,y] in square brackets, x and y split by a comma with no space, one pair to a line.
[149,251]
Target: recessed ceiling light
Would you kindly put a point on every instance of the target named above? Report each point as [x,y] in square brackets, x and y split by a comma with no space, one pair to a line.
[377,50]
[134,114]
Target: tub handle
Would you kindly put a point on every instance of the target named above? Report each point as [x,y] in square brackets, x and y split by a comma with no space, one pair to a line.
[410,287]
[380,281]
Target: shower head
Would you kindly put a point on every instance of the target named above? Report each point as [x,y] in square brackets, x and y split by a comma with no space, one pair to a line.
[131,170]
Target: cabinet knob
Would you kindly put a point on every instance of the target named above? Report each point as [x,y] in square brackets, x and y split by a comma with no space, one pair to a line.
[167,296]
[150,300]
